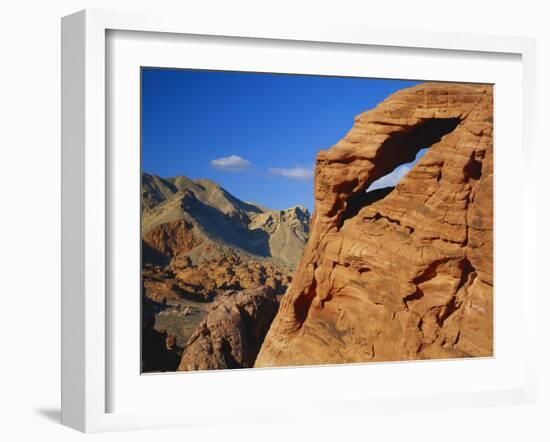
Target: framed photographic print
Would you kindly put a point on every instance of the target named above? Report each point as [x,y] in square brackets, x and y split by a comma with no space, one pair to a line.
[277,222]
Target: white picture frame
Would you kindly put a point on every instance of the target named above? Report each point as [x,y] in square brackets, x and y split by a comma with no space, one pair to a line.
[85,310]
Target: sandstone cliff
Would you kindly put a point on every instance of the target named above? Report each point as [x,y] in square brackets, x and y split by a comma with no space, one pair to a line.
[403,273]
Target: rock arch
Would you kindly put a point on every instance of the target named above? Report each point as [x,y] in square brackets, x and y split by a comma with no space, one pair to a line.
[407,276]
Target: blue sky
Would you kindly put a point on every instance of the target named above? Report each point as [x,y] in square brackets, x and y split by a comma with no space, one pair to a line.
[255,134]
[392,178]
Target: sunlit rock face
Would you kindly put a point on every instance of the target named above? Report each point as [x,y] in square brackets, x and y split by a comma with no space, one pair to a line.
[401,273]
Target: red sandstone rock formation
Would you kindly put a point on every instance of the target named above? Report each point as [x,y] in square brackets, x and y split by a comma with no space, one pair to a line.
[233,331]
[401,274]
[172,238]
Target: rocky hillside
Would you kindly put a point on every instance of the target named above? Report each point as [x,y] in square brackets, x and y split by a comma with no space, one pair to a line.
[406,274]
[199,242]
[186,217]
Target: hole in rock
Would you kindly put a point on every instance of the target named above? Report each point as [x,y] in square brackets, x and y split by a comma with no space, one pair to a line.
[396,157]
[391,179]
[473,169]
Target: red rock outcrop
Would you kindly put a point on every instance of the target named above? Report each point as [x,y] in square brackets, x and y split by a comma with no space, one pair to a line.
[233,331]
[406,273]
[172,238]
[160,290]
[220,273]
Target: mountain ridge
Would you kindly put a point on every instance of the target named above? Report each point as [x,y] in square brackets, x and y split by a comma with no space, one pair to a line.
[215,215]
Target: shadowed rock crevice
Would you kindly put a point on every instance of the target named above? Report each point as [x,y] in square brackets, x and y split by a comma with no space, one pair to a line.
[474,169]
[363,199]
[303,303]
[402,146]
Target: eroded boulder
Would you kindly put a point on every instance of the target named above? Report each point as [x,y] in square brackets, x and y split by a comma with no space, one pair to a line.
[231,334]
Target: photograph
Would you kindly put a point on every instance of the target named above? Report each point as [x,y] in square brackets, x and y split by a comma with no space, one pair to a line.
[305,220]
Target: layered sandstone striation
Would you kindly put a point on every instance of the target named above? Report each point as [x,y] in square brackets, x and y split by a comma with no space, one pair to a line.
[231,334]
[401,273]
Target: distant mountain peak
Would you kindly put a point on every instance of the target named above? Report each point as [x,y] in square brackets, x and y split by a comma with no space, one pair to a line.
[219,217]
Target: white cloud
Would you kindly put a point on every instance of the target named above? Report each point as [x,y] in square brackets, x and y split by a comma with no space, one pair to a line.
[296,173]
[391,179]
[232,163]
